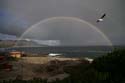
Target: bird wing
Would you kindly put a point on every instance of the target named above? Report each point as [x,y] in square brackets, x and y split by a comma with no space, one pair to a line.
[103,16]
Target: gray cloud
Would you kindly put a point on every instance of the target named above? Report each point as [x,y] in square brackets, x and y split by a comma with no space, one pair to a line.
[33,11]
[7,37]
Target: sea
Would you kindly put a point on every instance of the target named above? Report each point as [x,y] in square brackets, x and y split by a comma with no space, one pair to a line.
[67,51]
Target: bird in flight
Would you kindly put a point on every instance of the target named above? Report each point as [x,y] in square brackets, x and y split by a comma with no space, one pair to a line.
[101,18]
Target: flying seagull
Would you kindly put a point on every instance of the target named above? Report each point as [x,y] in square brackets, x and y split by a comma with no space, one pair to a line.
[101,18]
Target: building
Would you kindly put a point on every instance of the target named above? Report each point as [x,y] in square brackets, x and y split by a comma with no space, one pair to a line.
[16,54]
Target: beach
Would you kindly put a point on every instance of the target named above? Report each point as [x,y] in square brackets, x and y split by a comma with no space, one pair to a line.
[46,67]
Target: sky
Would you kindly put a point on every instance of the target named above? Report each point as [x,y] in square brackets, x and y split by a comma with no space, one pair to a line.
[19,15]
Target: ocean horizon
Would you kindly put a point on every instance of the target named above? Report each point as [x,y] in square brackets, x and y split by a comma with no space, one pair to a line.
[67,51]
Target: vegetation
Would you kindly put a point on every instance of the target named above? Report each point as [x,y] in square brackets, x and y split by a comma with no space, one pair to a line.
[112,66]
[12,59]
[106,69]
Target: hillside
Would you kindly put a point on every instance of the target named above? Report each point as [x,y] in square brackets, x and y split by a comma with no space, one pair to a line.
[106,69]
[11,43]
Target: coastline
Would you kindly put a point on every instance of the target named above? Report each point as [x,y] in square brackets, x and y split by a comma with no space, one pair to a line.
[41,67]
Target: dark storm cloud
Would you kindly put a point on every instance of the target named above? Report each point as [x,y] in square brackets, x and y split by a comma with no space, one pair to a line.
[10,24]
[7,37]
[32,11]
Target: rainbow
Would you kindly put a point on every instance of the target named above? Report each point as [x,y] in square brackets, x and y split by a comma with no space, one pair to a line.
[71,18]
